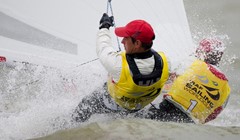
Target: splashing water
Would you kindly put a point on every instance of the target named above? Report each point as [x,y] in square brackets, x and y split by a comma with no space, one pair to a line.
[36,100]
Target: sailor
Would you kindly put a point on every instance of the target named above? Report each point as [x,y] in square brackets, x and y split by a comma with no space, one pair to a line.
[200,93]
[135,76]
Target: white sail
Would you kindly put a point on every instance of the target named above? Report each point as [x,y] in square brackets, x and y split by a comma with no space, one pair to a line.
[62,33]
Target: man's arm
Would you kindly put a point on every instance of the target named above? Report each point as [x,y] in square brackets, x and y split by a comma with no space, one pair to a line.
[110,58]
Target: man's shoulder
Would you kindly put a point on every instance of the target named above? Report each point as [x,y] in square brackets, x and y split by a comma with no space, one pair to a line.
[217,72]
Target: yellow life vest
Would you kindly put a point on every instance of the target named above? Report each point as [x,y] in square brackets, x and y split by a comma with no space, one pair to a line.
[199,91]
[131,96]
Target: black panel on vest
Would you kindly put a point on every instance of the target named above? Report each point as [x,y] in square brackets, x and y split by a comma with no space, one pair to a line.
[153,77]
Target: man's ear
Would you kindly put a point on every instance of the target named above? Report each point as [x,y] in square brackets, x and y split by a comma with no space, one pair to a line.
[138,43]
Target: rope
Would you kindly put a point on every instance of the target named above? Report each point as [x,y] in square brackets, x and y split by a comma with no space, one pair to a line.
[87,62]
[109,5]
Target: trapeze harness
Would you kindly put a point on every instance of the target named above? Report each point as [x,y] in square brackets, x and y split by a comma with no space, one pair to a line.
[202,92]
[135,91]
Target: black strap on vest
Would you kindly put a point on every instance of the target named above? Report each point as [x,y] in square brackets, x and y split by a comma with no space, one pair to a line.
[146,80]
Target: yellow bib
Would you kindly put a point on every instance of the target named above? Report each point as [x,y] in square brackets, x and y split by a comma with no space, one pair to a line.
[199,91]
[131,96]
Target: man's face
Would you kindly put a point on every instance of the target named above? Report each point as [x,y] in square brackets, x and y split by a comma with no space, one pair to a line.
[129,45]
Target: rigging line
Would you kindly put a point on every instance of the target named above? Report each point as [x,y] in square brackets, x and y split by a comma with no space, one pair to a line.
[73,70]
[87,62]
[16,87]
[27,84]
[109,5]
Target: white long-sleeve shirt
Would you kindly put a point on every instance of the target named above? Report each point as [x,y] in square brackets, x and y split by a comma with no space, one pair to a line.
[112,60]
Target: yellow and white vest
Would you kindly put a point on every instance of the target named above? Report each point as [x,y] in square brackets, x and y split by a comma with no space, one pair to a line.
[199,91]
[131,96]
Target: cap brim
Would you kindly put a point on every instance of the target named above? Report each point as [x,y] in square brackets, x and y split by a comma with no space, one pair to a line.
[121,32]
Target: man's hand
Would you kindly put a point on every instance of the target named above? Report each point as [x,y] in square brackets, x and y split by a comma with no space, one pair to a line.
[106,21]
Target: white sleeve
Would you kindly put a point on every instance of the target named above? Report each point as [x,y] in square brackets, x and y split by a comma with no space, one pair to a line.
[110,58]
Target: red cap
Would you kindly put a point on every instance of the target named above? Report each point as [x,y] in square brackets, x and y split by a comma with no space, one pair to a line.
[210,50]
[209,44]
[2,59]
[138,29]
